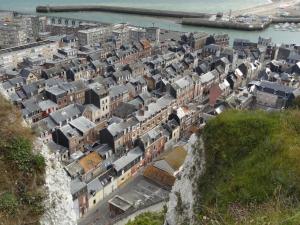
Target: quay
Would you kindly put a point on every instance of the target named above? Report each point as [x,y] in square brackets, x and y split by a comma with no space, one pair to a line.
[286,20]
[225,24]
[117,9]
[237,25]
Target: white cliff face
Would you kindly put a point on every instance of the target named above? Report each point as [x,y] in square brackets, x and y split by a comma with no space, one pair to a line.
[181,202]
[59,203]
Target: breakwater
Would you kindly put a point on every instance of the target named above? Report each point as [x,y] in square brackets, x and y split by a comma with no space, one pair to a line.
[286,20]
[237,25]
[117,9]
[225,24]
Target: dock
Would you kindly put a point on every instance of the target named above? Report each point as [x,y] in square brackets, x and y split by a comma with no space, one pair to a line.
[117,9]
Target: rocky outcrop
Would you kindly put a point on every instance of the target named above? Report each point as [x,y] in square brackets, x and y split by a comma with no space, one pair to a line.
[181,203]
[58,203]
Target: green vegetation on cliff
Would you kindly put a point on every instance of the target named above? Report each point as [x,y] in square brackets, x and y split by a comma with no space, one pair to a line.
[149,218]
[22,171]
[252,171]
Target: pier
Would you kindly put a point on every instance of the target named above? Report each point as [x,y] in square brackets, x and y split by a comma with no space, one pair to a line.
[117,9]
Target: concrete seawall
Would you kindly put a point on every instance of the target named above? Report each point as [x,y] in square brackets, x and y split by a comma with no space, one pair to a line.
[286,20]
[223,24]
[237,26]
[116,9]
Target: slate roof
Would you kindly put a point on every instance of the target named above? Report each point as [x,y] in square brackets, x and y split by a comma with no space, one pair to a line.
[44,105]
[124,110]
[94,187]
[155,107]
[69,131]
[82,124]
[276,87]
[66,113]
[207,77]
[131,156]
[77,185]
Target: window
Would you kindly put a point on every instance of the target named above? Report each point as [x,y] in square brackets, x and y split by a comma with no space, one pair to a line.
[94,201]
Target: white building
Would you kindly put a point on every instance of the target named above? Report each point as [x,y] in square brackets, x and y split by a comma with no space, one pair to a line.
[11,57]
[93,35]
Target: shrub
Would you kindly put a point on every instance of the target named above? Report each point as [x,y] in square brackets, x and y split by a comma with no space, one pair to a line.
[19,152]
[39,162]
[8,203]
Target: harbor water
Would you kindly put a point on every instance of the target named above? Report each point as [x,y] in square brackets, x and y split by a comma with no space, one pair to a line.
[278,35]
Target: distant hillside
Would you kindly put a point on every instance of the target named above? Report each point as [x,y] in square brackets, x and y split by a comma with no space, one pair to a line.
[22,171]
[252,173]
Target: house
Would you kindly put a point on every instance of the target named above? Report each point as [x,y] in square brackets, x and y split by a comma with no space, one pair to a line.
[173,128]
[31,110]
[99,67]
[126,166]
[146,48]
[207,80]
[76,134]
[186,117]
[195,40]
[154,114]
[47,107]
[80,71]
[152,81]
[67,93]
[29,75]
[118,94]
[182,90]
[136,86]
[33,89]
[120,135]
[100,187]
[64,115]
[98,96]
[165,170]
[272,94]
[125,110]
[152,143]
[122,77]
[54,72]
[212,49]
[79,196]
[94,192]
[90,164]
[17,82]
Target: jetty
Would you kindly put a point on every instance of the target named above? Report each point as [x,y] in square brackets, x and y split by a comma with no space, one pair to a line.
[117,9]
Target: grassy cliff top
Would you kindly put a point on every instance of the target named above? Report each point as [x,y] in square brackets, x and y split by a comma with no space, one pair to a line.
[22,171]
[252,169]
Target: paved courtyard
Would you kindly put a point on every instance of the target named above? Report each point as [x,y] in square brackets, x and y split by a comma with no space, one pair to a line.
[138,190]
